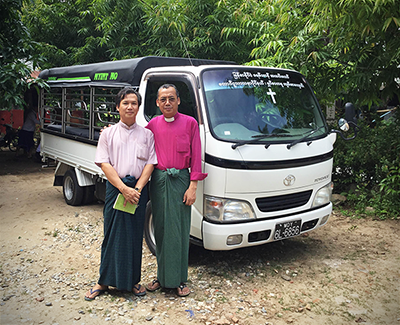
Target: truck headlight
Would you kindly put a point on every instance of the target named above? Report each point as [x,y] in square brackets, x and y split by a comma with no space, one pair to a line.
[226,210]
[323,195]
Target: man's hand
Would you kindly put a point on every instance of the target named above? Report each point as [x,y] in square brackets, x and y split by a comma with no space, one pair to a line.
[190,195]
[130,195]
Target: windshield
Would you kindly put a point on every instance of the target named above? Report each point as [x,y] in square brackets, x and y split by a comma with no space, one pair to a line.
[261,105]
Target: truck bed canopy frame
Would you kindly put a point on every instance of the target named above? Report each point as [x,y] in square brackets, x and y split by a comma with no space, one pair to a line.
[121,73]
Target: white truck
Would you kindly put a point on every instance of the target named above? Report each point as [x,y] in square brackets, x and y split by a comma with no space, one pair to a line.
[266,146]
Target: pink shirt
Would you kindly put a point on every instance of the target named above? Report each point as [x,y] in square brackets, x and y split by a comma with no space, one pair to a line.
[127,149]
[178,144]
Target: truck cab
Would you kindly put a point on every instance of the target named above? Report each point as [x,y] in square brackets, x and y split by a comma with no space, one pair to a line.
[266,148]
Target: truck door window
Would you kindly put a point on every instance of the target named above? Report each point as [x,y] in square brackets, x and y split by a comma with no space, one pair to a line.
[187,106]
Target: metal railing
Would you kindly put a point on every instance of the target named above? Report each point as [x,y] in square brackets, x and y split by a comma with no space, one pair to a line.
[79,112]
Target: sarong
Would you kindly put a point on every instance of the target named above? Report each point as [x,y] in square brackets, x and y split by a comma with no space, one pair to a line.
[171,220]
[121,251]
[25,139]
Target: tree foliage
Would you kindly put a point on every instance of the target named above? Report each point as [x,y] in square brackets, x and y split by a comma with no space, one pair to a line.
[121,25]
[65,32]
[16,55]
[193,28]
[81,31]
[349,49]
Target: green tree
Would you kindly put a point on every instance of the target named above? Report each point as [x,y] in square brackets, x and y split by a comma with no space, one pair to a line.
[82,31]
[348,49]
[17,58]
[193,28]
[121,23]
[65,32]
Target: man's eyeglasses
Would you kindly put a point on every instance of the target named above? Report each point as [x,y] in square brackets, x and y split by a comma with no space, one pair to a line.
[163,100]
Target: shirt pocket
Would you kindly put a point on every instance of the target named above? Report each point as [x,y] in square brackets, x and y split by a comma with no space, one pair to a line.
[143,152]
[182,144]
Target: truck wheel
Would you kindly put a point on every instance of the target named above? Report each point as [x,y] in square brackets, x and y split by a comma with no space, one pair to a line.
[73,193]
[149,230]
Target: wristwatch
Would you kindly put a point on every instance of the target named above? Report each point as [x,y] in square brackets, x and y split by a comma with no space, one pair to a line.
[138,189]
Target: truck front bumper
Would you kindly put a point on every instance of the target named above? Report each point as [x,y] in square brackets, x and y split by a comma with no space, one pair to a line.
[258,232]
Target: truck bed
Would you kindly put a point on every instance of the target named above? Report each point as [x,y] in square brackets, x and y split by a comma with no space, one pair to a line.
[72,147]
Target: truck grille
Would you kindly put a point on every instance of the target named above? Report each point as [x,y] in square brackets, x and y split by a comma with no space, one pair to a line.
[283,202]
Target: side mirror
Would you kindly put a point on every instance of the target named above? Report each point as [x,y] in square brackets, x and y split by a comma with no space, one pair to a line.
[343,125]
[349,120]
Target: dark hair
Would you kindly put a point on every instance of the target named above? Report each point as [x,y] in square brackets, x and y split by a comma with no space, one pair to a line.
[125,91]
[166,86]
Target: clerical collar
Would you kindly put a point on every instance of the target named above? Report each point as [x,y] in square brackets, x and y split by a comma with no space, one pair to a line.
[169,119]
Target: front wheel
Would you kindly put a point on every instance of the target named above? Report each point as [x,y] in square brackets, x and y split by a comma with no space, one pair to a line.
[73,193]
[149,229]
[13,145]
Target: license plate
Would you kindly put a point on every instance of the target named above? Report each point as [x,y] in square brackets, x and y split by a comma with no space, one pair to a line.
[287,229]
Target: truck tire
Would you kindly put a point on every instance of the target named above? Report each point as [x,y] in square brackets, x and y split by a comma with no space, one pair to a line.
[149,230]
[73,193]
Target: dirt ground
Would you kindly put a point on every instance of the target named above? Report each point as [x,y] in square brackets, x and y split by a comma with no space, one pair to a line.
[343,273]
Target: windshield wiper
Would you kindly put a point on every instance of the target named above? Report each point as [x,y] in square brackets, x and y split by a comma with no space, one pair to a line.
[259,137]
[308,134]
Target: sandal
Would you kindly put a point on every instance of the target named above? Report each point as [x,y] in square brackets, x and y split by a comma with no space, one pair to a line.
[98,291]
[151,286]
[181,293]
[138,293]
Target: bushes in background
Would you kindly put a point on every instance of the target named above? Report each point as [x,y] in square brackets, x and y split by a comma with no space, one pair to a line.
[367,169]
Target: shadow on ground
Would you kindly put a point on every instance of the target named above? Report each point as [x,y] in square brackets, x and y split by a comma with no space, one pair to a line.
[267,257]
[10,164]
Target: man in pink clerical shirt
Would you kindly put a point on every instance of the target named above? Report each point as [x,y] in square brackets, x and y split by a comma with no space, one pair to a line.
[173,189]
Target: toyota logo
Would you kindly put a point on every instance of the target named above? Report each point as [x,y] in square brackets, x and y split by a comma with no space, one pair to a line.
[289,180]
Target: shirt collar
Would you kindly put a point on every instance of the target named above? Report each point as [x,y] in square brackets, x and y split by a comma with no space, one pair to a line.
[123,125]
[172,119]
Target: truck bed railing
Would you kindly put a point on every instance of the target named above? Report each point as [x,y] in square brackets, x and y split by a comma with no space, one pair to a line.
[78,112]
